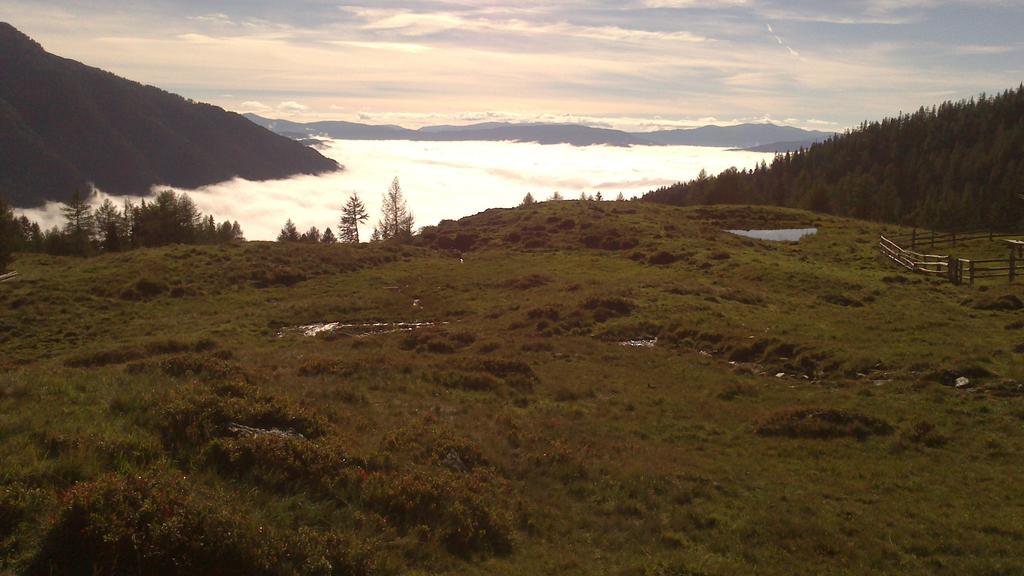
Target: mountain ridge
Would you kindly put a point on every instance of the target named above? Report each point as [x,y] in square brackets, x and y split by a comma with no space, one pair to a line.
[65,126]
[742,136]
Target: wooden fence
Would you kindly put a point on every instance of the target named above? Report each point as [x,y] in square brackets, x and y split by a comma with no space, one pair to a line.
[903,250]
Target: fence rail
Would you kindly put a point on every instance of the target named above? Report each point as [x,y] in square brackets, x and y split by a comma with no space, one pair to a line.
[8,276]
[901,249]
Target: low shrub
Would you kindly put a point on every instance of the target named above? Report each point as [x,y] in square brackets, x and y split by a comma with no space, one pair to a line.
[1006,302]
[472,381]
[604,309]
[842,300]
[277,276]
[662,258]
[821,423]
[462,511]
[284,463]
[143,289]
[528,282]
[195,365]
[125,354]
[200,412]
[925,434]
[149,524]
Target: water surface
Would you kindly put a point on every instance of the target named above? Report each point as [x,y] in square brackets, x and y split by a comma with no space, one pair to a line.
[781,235]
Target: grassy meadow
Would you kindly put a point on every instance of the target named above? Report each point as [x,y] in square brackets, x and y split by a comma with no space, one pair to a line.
[794,408]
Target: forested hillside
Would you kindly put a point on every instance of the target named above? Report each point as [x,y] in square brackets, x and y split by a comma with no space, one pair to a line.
[955,166]
[64,125]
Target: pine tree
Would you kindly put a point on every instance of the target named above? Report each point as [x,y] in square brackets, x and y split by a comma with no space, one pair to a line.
[528,200]
[621,197]
[108,226]
[236,232]
[311,235]
[396,219]
[352,215]
[556,196]
[328,237]
[79,226]
[598,196]
[289,233]
[7,235]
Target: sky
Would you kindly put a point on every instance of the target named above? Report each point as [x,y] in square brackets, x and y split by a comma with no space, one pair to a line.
[628,64]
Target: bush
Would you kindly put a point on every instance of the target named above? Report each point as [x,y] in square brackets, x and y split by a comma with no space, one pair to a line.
[451,505]
[191,365]
[143,289]
[607,308]
[925,434]
[128,353]
[821,423]
[284,463]
[473,381]
[200,412]
[662,258]
[151,524]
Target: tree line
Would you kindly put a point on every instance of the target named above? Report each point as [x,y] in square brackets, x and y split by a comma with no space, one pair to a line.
[396,221]
[169,218]
[956,166]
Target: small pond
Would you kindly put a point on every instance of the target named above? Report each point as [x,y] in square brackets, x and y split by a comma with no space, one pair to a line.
[783,235]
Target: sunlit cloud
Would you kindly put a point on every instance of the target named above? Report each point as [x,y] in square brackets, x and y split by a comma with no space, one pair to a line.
[603,61]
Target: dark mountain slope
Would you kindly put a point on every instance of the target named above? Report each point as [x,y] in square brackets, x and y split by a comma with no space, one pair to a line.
[64,124]
[956,166]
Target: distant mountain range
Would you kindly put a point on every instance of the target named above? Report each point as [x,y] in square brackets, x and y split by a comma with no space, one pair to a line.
[763,137]
[64,125]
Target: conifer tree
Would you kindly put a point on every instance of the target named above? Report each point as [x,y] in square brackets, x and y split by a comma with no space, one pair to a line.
[8,236]
[108,226]
[352,215]
[528,200]
[396,219]
[79,224]
[328,237]
[289,233]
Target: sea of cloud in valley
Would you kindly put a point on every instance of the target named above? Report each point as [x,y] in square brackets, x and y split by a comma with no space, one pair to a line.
[448,180]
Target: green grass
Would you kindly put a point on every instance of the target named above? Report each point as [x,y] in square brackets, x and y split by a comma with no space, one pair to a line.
[516,436]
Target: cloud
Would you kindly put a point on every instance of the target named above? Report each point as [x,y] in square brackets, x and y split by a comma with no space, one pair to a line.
[639,59]
[253,106]
[435,177]
[292,106]
[982,50]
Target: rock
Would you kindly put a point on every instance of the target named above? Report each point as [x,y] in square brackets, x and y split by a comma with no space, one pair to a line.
[454,461]
[963,382]
[780,375]
[250,432]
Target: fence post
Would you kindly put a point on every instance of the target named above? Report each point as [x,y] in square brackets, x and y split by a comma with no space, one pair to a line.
[951,266]
[971,265]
